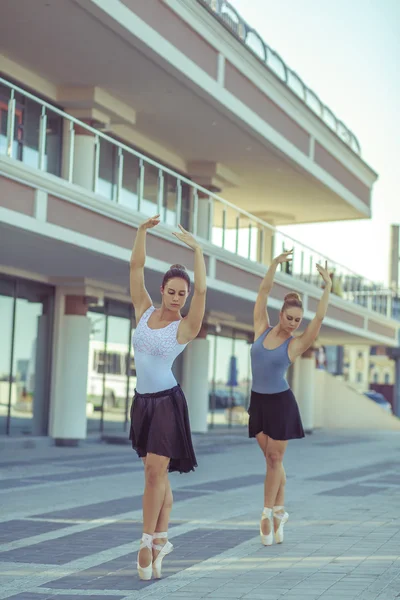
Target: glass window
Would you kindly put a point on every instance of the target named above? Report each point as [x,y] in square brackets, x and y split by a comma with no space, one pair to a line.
[26,317]
[112,373]
[27,338]
[229,378]
[242,354]
[30,133]
[7,387]
[53,143]
[186,206]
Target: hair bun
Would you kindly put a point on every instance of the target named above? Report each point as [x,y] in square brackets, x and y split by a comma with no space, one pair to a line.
[177,266]
[292,296]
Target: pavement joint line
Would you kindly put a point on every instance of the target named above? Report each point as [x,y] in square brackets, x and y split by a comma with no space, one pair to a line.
[54,572]
[361,534]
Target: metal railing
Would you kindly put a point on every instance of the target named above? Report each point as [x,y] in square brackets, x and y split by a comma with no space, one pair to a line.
[114,171]
[226,13]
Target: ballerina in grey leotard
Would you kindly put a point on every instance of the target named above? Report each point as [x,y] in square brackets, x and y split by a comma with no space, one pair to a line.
[274,414]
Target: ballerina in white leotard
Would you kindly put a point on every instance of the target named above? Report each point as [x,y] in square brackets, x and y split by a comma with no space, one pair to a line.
[160,430]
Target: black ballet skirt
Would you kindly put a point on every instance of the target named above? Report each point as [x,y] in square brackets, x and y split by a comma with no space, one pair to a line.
[160,425]
[276,415]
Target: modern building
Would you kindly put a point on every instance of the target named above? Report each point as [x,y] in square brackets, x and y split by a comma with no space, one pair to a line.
[114,111]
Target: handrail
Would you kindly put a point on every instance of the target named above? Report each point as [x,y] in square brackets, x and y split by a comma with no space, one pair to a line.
[230,17]
[130,150]
[248,241]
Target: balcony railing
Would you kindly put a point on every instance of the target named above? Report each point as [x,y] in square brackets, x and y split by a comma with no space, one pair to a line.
[229,16]
[31,132]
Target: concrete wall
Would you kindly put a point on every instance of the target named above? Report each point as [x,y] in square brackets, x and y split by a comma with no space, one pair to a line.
[339,406]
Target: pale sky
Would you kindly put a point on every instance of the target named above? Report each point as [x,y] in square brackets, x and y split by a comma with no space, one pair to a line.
[348,53]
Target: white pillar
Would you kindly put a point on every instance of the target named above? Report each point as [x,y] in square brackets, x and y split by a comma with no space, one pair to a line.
[203,217]
[304,391]
[70,372]
[83,156]
[195,383]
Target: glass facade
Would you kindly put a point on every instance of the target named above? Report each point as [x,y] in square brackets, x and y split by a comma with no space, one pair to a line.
[112,372]
[26,313]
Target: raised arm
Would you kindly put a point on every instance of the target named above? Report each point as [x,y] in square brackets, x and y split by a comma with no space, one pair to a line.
[139,295]
[191,324]
[260,314]
[299,345]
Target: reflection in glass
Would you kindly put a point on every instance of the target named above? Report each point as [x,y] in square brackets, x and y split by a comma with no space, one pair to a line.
[112,372]
[24,362]
[26,316]
[6,312]
[229,379]
[95,369]
[30,133]
[115,364]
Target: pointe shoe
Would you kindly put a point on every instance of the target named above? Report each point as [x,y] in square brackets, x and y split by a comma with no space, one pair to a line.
[267,540]
[164,549]
[145,573]
[282,516]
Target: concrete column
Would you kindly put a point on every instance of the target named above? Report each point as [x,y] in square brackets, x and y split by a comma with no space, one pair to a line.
[83,155]
[195,382]
[203,217]
[68,403]
[265,246]
[304,389]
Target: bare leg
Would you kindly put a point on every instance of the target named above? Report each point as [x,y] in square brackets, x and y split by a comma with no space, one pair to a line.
[163,518]
[153,498]
[274,455]
[275,479]
[280,498]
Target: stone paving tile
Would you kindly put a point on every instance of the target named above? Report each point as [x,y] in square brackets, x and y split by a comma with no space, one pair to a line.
[61,477]
[6,484]
[350,474]
[34,596]
[392,478]
[63,550]
[336,546]
[13,530]
[96,456]
[229,484]
[100,510]
[190,549]
[354,489]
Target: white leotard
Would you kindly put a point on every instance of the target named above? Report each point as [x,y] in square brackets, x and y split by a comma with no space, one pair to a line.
[155,351]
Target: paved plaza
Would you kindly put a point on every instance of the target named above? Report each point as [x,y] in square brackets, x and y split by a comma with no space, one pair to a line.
[70,522]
